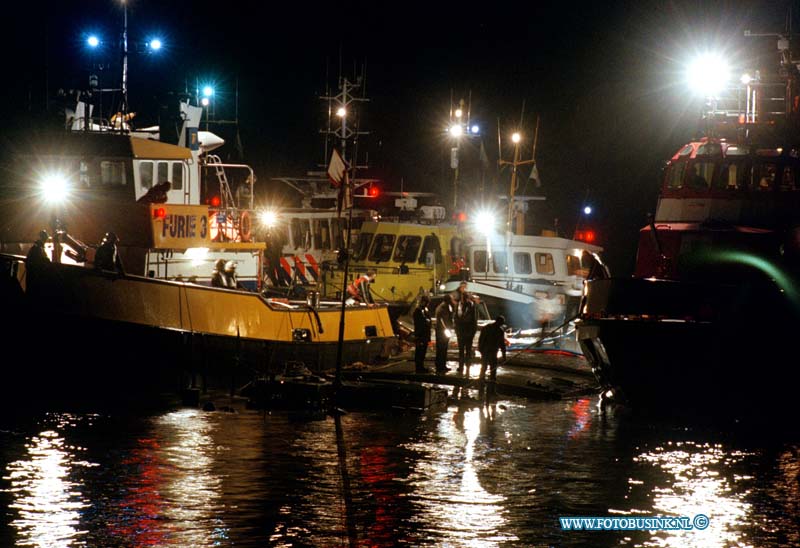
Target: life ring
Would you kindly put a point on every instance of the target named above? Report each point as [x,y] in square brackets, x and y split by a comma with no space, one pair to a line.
[245,226]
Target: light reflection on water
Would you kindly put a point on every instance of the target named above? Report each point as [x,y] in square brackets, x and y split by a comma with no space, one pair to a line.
[467,476]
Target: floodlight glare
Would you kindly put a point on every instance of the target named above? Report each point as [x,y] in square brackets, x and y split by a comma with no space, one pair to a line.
[485,222]
[93,41]
[456,130]
[341,112]
[204,101]
[268,218]
[746,79]
[54,188]
[708,75]
[516,137]
[208,91]
[459,113]
[587,210]
[155,44]
[475,129]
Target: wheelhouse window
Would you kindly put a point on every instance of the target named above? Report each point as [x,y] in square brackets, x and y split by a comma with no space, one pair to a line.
[522,263]
[499,262]
[407,249]
[544,264]
[163,172]
[766,176]
[789,178]
[733,175]
[430,245]
[479,261]
[112,173]
[362,246]
[700,175]
[146,174]
[382,248]
[301,233]
[177,176]
[579,265]
[674,175]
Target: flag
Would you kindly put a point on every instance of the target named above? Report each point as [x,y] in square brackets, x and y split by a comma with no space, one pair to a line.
[535,177]
[337,170]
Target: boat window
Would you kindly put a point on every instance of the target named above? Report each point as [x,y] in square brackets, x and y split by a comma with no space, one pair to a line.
[709,149]
[430,245]
[499,262]
[766,176]
[146,174]
[685,151]
[544,264]
[362,246]
[322,235]
[789,179]
[674,175]
[301,233]
[735,151]
[732,176]
[579,265]
[407,249]
[177,176]
[163,172]
[522,263]
[112,173]
[700,175]
[479,261]
[382,247]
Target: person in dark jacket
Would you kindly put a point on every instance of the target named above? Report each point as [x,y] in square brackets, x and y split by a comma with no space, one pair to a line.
[36,254]
[444,330]
[107,257]
[491,340]
[422,333]
[466,323]
[218,276]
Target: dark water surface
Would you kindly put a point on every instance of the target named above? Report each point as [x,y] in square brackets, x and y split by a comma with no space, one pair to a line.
[467,476]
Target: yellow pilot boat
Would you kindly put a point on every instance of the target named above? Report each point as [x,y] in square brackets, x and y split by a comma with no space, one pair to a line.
[409,258]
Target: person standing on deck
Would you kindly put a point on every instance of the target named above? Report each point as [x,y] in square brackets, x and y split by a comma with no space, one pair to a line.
[491,340]
[466,325]
[359,290]
[107,256]
[36,254]
[422,333]
[444,327]
[218,276]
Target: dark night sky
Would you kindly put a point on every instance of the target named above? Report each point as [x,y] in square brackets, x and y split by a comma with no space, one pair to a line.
[604,77]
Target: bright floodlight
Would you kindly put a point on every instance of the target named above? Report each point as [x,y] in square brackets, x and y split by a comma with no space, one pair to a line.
[268,218]
[708,75]
[516,137]
[155,44]
[93,41]
[475,129]
[746,79]
[208,91]
[54,188]
[204,101]
[587,210]
[341,112]
[485,222]
[456,130]
[459,113]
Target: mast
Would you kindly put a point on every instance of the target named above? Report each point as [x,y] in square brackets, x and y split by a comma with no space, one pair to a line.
[124,108]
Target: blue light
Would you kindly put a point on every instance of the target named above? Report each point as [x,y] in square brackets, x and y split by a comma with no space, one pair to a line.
[475,129]
[93,41]
[208,91]
[155,44]
[587,210]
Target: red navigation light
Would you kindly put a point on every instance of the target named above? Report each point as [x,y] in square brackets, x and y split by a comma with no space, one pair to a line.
[373,192]
[215,201]
[462,217]
[159,213]
[587,236]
